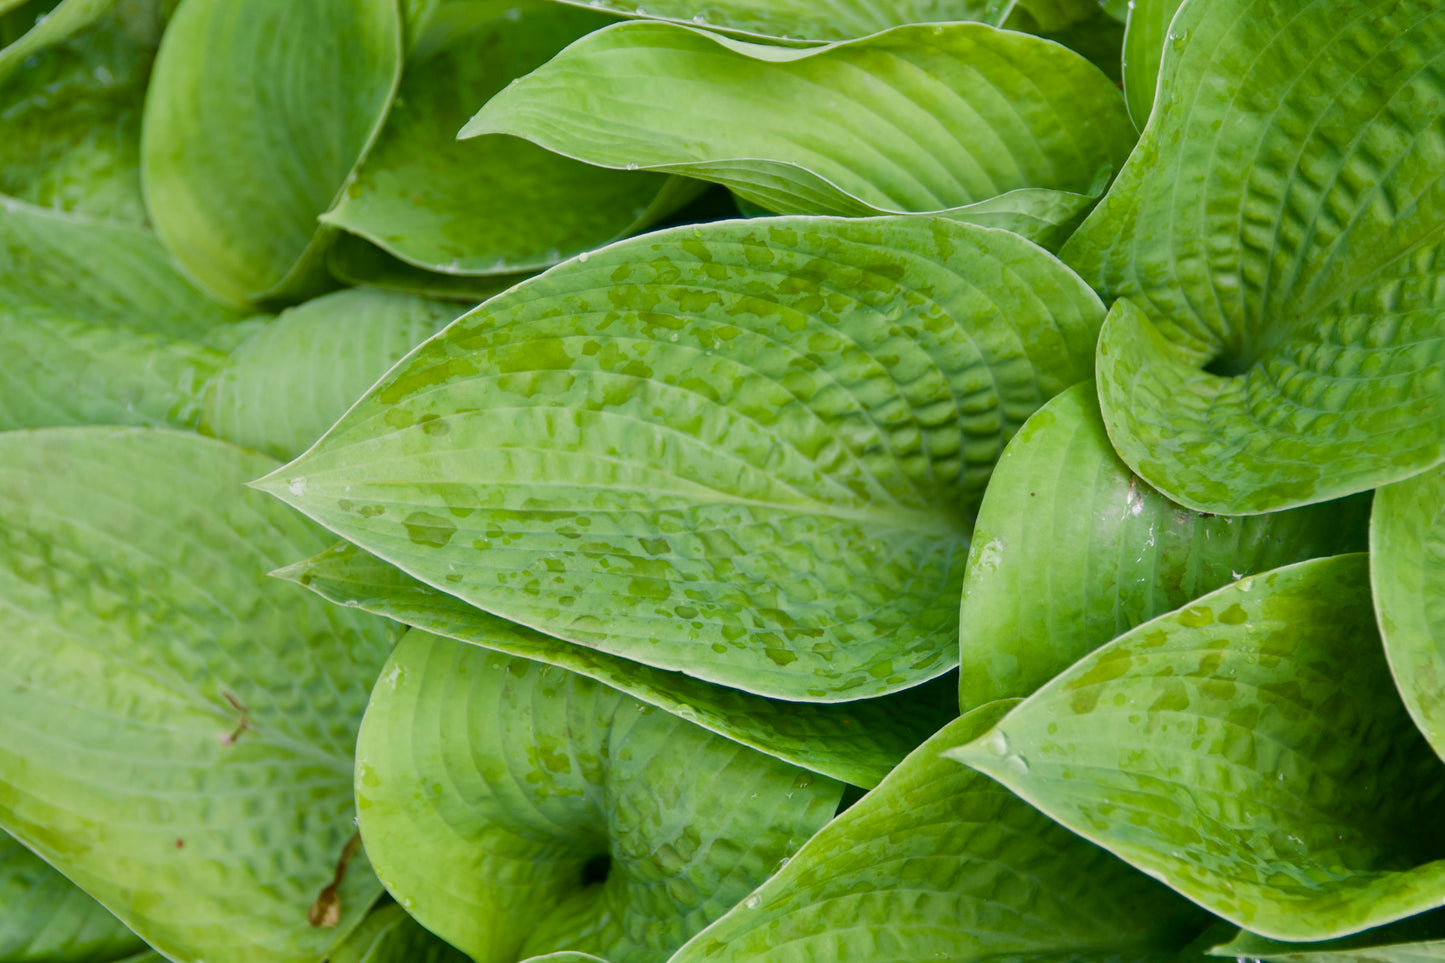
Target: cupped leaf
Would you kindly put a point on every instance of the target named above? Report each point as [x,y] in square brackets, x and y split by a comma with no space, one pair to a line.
[44,918]
[295,376]
[938,863]
[352,260]
[855,742]
[96,327]
[1407,570]
[389,935]
[749,451]
[1071,549]
[1278,231]
[1420,939]
[915,119]
[176,730]
[257,113]
[1250,751]
[516,809]
[497,205]
[54,26]
[1144,40]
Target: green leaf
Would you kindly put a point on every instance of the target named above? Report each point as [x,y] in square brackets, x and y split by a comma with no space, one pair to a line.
[516,809]
[177,729]
[938,118]
[1144,39]
[1420,939]
[295,376]
[352,260]
[805,20]
[252,127]
[389,935]
[749,451]
[44,918]
[1071,549]
[938,863]
[498,205]
[1407,570]
[855,742]
[54,26]
[96,327]
[1278,231]
[1250,751]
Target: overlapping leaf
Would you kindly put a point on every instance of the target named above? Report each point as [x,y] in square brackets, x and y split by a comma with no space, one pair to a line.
[915,119]
[96,327]
[517,809]
[44,918]
[1250,750]
[389,935]
[352,260]
[1144,42]
[252,127]
[498,205]
[1420,939]
[856,742]
[1071,549]
[52,27]
[762,440]
[939,863]
[295,376]
[1407,570]
[176,730]
[1277,238]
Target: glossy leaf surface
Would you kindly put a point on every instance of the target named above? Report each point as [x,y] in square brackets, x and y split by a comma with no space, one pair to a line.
[916,119]
[177,729]
[1407,570]
[281,389]
[1071,549]
[939,863]
[1145,38]
[855,742]
[1249,750]
[252,127]
[761,439]
[1420,939]
[44,918]
[518,809]
[1278,237]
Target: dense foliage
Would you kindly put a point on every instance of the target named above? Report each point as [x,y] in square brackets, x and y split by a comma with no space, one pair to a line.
[754,480]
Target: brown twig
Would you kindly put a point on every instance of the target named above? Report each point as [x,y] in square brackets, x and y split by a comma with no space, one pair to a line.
[229,738]
[326,911]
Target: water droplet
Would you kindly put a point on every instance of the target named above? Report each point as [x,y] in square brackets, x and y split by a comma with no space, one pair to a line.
[1018,764]
[699,18]
[632,165]
[297,486]
[583,257]
[752,902]
[514,14]
[997,743]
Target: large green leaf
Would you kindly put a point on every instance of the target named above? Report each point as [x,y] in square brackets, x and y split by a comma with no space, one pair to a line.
[1144,41]
[938,863]
[915,119]
[176,730]
[44,918]
[515,808]
[1071,549]
[1420,939]
[96,327]
[253,125]
[52,27]
[295,376]
[498,205]
[749,451]
[1407,570]
[1249,750]
[389,935]
[855,742]
[1278,236]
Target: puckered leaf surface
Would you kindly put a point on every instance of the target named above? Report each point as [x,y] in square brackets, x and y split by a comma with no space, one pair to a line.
[516,809]
[915,119]
[176,730]
[1277,240]
[748,451]
[1071,549]
[939,863]
[1250,750]
[855,742]
[257,113]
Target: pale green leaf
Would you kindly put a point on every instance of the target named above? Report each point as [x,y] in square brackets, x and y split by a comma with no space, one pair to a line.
[749,451]
[44,918]
[1420,939]
[1407,569]
[915,119]
[389,935]
[52,27]
[938,863]
[96,327]
[295,376]
[1145,37]
[1278,231]
[177,729]
[497,205]
[516,809]
[252,127]
[1249,750]
[352,260]
[855,742]
[1071,549]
